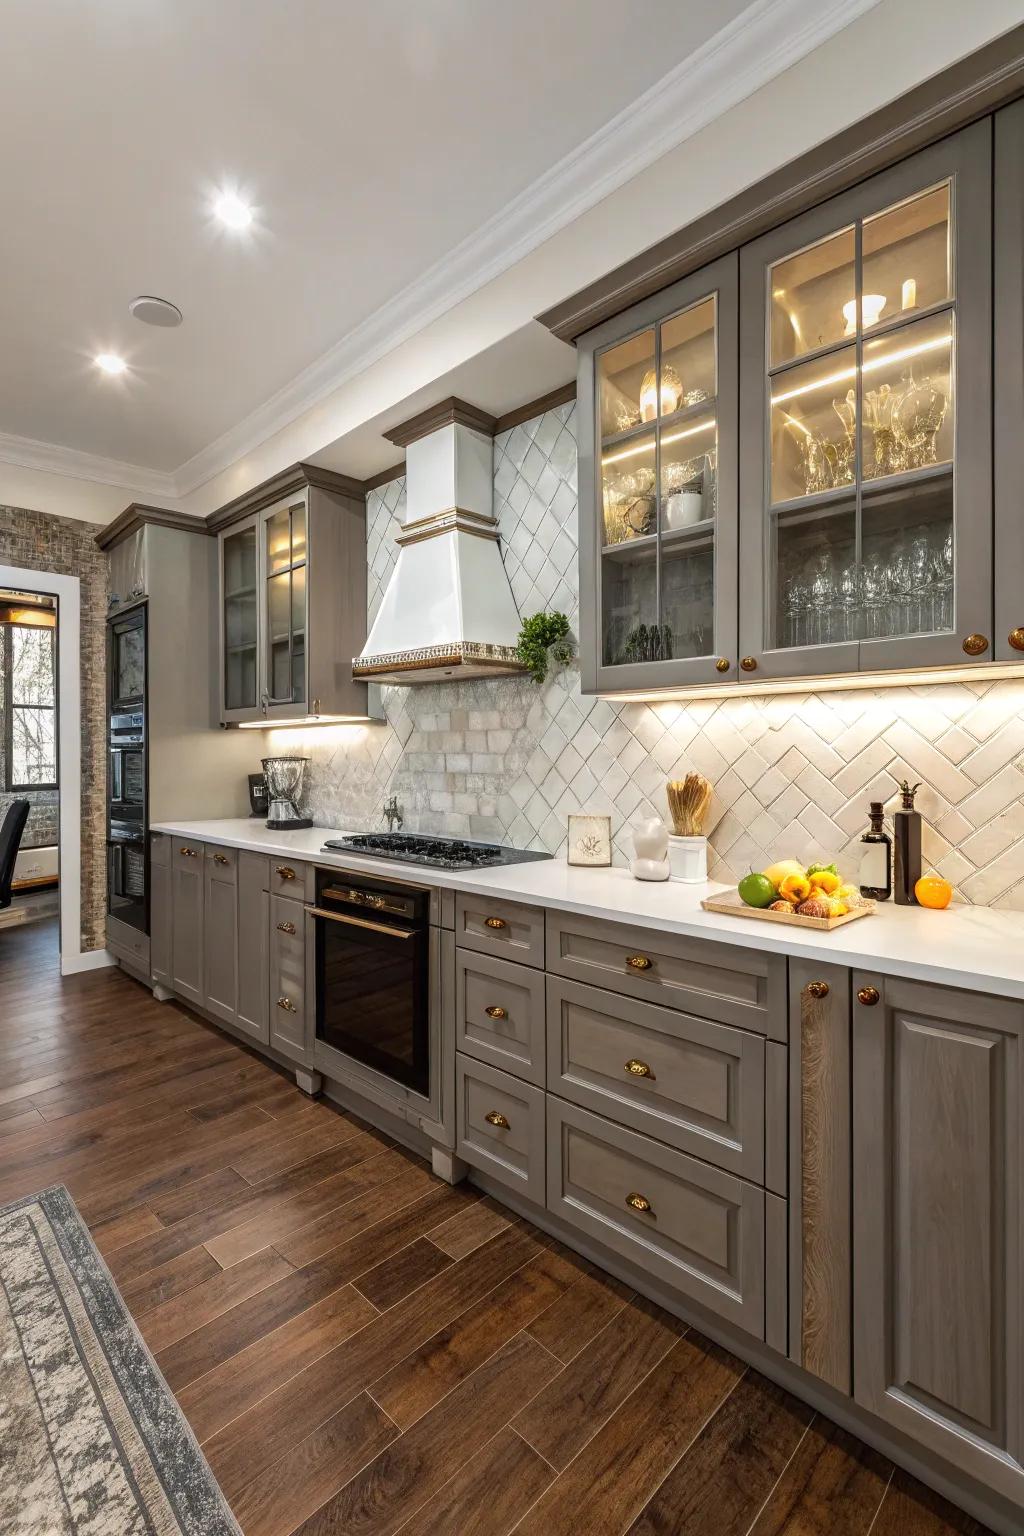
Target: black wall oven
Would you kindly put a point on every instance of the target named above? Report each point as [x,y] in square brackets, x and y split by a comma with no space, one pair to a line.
[373,984]
[127,771]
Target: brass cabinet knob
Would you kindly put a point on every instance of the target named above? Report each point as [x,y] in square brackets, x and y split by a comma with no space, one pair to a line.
[749,663]
[496,1012]
[723,664]
[221,858]
[638,1068]
[638,1202]
[188,853]
[285,872]
[495,922]
[639,962]
[287,1004]
[818,988]
[286,927]
[1016,639]
[495,1117]
[868,996]
[975,645]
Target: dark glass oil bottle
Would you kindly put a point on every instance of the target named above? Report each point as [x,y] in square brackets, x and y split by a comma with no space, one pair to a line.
[876,860]
[906,825]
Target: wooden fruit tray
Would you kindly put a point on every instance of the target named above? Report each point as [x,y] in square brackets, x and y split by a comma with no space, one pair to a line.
[734,906]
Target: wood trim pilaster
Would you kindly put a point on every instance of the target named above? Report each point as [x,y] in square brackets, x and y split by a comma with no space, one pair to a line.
[985,80]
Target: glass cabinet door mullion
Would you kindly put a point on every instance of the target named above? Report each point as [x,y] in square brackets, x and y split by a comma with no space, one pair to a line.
[858,430]
[659,500]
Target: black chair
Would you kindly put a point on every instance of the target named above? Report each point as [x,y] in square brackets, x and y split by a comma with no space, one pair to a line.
[10,841]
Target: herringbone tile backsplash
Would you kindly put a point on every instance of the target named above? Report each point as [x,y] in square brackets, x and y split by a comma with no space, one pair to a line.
[793,774]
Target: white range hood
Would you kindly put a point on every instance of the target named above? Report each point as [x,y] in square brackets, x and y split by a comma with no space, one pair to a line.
[448,610]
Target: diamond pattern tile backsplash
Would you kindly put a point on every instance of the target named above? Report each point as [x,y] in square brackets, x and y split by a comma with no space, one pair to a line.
[507,760]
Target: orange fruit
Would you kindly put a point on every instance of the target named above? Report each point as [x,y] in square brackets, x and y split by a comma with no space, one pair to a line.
[795,888]
[932,891]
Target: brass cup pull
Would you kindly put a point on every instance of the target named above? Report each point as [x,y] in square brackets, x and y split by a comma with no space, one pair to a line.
[1016,639]
[975,645]
[284,872]
[638,1202]
[496,1012]
[286,927]
[495,922]
[495,1117]
[188,853]
[287,1004]
[818,988]
[722,664]
[639,962]
[749,663]
[638,1068]
[221,858]
[868,996]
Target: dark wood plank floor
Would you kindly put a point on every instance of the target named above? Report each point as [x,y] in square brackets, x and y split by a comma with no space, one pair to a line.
[362,1349]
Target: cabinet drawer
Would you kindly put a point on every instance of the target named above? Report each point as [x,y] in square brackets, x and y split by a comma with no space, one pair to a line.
[287,878]
[159,849]
[287,994]
[222,863]
[186,851]
[127,943]
[499,1014]
[499,1126]
[746,987]
[694,1227]
[503,928]
[696,1085]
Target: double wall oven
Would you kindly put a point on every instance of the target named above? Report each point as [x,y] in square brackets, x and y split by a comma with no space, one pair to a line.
[127,776]
[377,979]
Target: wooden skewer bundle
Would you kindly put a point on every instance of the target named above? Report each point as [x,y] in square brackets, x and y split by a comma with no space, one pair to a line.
[688,801]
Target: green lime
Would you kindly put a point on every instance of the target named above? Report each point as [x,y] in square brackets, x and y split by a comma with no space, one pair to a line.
[757,890]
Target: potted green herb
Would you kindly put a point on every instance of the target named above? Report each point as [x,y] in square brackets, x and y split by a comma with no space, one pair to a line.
[544,642]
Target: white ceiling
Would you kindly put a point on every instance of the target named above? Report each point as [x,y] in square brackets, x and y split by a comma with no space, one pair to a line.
[372,139]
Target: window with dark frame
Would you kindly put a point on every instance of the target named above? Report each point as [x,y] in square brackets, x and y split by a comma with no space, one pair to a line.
[29,724]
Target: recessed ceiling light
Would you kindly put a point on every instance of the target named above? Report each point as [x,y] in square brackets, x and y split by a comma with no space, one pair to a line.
[153,311]
[231,211]
[110,362]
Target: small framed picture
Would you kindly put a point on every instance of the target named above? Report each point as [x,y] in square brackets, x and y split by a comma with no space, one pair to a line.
[590,840]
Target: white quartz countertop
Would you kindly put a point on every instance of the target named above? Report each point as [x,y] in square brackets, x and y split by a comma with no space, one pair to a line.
[974,947]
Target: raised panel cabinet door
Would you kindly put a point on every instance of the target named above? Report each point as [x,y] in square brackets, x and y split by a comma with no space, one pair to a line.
[819,1178]
[286,997]
[187,920]
[251,1013]
[220,938]
[937,1081]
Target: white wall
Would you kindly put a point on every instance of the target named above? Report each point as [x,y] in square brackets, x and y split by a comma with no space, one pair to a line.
[91,501]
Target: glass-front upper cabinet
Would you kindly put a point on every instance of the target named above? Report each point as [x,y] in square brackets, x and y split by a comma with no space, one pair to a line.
[284,573]
[240,620]
[657,389]
[865,470]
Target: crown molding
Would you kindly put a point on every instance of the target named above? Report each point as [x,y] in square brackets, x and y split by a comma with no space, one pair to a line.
[444,414]
[137,516]
[52,459]
[761,43]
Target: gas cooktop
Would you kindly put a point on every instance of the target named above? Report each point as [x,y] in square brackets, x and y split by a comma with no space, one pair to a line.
[441,852]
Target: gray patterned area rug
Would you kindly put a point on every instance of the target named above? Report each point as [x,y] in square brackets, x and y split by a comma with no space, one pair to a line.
[92,1442]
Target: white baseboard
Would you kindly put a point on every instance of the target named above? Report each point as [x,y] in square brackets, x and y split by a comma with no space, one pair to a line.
[92,960]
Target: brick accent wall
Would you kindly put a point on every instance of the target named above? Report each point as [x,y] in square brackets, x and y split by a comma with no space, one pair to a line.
[66,547]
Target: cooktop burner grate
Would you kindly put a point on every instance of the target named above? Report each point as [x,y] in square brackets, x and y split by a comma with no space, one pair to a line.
[440,852]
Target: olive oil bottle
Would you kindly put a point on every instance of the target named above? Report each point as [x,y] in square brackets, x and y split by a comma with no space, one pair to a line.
[876,859]
[906,825]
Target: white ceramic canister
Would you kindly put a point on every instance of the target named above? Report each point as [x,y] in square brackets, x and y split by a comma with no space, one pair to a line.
[688,858]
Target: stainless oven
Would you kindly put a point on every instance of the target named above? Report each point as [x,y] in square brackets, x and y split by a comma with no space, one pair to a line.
[374,957]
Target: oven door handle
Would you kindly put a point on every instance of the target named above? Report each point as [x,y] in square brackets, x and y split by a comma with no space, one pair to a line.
[360,922]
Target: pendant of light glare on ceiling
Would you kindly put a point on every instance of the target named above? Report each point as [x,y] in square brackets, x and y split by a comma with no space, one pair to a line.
[154,311]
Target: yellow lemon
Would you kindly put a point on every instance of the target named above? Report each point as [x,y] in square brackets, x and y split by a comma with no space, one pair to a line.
[795,888]
[825,881]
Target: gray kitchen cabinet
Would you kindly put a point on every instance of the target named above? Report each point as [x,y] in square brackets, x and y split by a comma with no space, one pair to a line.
[253,917]
[160,909]
[866,419]
[187,899]
[657,410]
[220,932]
[293,599]
[286,995]
[937,1221]
[820,1328]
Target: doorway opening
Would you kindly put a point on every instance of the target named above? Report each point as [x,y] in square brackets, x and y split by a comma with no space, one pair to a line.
[29,762]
